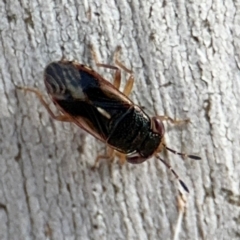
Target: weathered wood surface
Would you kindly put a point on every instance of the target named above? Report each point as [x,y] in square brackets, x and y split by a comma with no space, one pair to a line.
[47,187]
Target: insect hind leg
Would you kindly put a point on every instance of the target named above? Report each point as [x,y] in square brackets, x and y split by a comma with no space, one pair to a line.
[39,95]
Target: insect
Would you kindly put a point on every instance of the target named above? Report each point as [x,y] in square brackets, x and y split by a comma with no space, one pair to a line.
[85,98]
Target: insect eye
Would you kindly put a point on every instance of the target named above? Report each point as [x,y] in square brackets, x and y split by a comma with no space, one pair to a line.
[157,126]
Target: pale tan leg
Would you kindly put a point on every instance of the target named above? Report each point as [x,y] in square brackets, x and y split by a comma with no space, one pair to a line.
[174,121]
[121,157]
[129,85]
[119,63]
[62,118]
[117,76]
[110,155]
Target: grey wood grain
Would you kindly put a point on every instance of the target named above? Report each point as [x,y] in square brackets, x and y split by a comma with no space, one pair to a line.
[185,59]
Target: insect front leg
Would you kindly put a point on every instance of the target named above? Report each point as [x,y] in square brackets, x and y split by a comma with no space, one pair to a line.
[62,118]
[110,155]
[121,157]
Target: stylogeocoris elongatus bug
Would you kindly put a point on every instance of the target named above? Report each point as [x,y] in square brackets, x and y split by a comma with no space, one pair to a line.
[85,98]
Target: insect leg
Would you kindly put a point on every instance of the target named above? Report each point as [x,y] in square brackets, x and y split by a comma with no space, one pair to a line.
[129,85]
[62,118]
[117,76]
[111,153]
[121,157]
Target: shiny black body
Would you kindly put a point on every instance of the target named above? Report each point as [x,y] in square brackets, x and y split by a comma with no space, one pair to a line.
[102,110]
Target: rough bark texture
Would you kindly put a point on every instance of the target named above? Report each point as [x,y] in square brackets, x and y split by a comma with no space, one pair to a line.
[185,59]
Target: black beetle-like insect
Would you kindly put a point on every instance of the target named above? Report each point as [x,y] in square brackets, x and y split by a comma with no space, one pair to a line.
[85,98]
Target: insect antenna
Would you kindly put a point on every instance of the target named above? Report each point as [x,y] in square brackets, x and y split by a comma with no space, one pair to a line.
[175,174]
[184,155]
